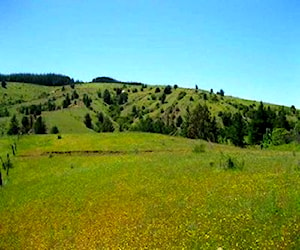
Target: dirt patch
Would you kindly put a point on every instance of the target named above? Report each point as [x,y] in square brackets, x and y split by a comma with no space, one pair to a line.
[87,153]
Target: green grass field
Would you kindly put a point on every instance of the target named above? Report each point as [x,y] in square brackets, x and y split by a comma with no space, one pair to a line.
[147,191]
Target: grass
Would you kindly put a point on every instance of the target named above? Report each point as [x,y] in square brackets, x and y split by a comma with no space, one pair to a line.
[157,194]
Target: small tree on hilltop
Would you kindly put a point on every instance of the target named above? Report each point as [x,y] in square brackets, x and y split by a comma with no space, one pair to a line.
[168,90]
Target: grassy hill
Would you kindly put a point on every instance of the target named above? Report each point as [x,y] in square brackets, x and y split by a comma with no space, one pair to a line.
[145,100]
[142,190]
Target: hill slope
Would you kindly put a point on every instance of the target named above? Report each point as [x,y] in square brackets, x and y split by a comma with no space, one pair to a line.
[127,106]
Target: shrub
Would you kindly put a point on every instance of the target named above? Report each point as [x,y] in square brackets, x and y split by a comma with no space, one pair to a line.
[181,95]
[231,163]
[54,130]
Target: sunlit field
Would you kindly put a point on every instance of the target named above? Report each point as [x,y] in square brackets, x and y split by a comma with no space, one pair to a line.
[147,191]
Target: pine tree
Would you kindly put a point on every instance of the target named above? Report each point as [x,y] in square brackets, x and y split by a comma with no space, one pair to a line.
[88,121]
[39,126]
[107,97]
[13,126]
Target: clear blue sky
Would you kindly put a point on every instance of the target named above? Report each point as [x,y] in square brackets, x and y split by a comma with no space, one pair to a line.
[248,48]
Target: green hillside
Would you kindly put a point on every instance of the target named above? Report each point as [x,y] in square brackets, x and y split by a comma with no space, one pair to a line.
[132,107]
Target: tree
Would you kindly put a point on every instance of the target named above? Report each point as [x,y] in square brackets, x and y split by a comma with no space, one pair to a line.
[107,97]
[239,130]
[107,125]
[175,86]
[54,130]
[259,124]
[74,95]
[157,90]
[3,84]
[163,98]
[168,90]
[13,126]
[281,120]
[122,98]
[87,100]
[293,109]
[179,121]
[66,101]
[221,93]
[39,126]
[200,125]
[6,165]
[88,121]
[25,125]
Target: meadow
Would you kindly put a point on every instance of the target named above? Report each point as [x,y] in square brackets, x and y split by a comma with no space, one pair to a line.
[147,191]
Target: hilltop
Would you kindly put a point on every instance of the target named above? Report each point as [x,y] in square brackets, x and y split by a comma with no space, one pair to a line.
[119,106]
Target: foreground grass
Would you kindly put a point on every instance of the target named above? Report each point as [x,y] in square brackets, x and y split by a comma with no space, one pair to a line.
[154,193]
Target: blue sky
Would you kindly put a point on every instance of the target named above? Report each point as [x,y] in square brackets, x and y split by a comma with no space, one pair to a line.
[248,48]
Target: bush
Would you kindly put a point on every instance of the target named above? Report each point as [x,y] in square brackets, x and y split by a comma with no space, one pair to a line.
[231,163]
[54,130]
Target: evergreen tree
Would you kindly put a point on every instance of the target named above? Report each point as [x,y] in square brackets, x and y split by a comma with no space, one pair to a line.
[179,121]
[86,100]
[66,101]
[107,125]
[13,126]
[168,90]
[163,98]
[3,84]
[281,120]
[25,125]
[74,95]
[107,97]
[88,121]
[239,130]
[54,130]
[259,124]
[39,126]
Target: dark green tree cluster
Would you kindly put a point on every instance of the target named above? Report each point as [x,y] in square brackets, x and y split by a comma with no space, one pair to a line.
[28,124]
[200,125]
[104,123]
[40,79]
[87,100]
[234,128]
[148,124]
[67,101]
[105,79]
[31,110]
